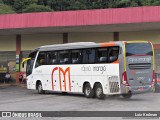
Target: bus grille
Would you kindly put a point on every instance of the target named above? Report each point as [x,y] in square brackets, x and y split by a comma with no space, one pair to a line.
[140,66]
[114,87]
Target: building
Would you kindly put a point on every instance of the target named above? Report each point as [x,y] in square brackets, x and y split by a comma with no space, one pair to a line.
[21,33]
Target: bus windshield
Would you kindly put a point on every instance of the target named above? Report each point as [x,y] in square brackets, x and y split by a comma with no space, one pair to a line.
[138,49]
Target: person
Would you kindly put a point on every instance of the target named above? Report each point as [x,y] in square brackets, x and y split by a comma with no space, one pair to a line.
[24,78]
[20,77]
[113,56]
[7,77]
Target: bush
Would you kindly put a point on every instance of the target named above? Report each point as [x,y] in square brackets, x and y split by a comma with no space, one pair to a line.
[37,8]
[5,9]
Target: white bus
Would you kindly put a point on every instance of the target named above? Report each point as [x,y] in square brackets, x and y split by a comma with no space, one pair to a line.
[95,69]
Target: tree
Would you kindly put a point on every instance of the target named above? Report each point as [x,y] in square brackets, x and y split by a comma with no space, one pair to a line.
[93,4]
[113,3]
[62,5]
[77,5]
[42,2]
[20,5]
[5,9]
[8,2]
[123,3]
[150,2]
[128,3]
[1,2]
[59,5]
[37,8]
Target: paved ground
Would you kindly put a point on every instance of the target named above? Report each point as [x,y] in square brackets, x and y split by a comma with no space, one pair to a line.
[21,99]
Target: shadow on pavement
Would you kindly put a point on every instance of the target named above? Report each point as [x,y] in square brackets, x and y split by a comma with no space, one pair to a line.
[34,92]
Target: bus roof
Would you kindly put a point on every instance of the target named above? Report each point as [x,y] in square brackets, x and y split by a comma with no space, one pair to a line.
[68,46]
[80,45]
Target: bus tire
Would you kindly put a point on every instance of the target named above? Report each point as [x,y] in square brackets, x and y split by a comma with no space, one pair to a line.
[127,96]
[40,88]
[88,91]
[99,91]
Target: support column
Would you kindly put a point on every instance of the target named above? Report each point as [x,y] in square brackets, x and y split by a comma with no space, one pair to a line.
[156,46]
[65,37]
[116,36]
[18,56]
[157,50]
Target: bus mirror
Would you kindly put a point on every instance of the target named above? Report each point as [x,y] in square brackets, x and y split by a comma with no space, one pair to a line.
[25,60]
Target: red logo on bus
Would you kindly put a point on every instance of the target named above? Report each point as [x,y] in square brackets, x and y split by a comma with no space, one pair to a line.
[61,72]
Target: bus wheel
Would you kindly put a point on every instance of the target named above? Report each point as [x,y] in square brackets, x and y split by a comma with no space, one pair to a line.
[40,88]
[99,91]
[127,96]
[88,91]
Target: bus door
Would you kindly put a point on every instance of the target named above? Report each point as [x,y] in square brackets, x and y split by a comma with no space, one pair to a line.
[139,64]
[29,69]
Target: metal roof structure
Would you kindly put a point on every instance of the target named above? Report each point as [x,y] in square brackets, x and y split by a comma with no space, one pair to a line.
[98,20]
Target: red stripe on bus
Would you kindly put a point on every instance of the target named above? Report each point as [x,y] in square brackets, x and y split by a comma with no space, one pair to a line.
[52,77]
[60,84]
[107,44]
[115,62]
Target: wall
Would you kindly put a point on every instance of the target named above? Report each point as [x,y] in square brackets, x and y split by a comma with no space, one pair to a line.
[153,36]
[30,42]
[90,37]
[8,43]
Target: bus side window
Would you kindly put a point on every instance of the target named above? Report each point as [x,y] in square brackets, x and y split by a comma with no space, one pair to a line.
[113,53]
[101,56]
[41,60]
[51,58]
[88,56]
[76,56]
[64,57]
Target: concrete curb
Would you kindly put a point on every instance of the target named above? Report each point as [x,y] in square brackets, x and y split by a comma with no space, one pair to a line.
[13,84]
